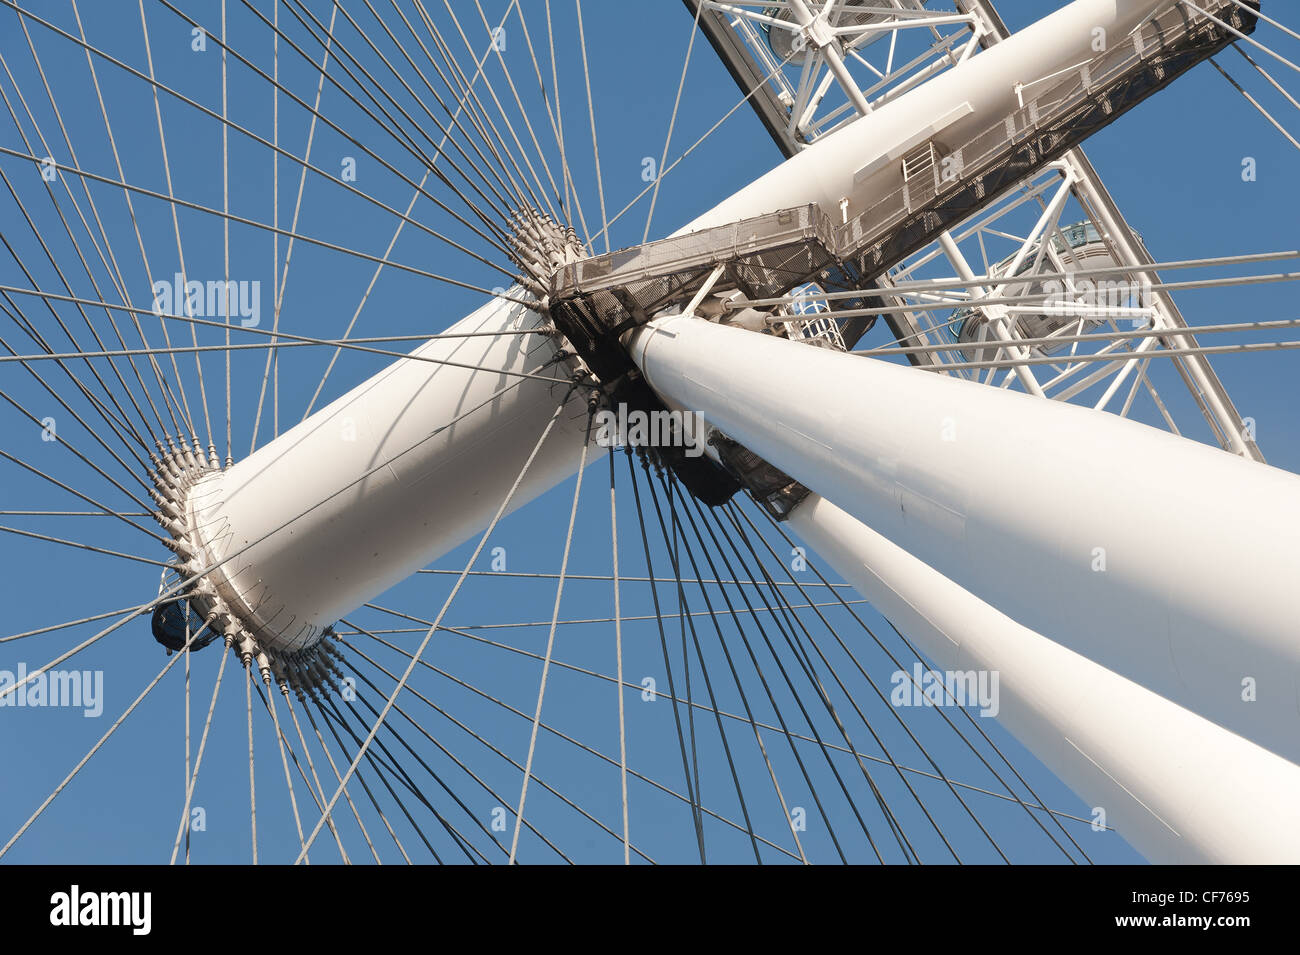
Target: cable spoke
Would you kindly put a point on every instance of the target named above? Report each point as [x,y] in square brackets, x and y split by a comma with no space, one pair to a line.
[388,703]
[550,647]
[95,749]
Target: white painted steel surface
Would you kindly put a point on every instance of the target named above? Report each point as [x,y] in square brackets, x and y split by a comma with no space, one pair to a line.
[1198,591]
[387,490]
[1179,788]
[1017,500]
[385,526]
[863,161]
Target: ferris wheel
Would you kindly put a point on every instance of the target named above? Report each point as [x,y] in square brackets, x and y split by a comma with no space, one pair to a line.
[409,459]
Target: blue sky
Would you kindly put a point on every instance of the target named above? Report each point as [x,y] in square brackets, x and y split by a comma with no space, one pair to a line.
[1174,166]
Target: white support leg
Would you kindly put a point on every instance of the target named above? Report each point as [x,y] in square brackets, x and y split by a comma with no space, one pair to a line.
[1168,561]
[1179,788]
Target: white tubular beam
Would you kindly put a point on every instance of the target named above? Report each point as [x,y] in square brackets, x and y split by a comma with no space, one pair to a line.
[386,488]
[862,161]
[1169,562]
[1178,787]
